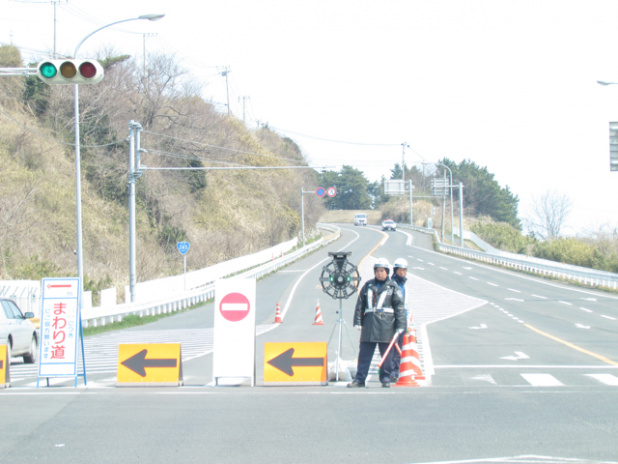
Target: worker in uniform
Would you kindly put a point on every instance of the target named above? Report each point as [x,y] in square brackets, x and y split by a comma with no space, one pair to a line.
[379,314]
[400,271]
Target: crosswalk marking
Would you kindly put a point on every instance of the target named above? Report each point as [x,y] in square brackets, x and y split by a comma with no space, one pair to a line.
[607,379]
[542,380]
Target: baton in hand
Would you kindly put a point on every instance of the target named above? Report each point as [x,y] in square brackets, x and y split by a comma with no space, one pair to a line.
[389,349]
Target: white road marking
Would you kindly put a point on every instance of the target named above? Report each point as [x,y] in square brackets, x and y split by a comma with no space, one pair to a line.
[473,278]
[608,317]
[514,299]
[492,284]
[607,379]
[519,354]
[582,326]
[542,380]
[482,326]
[565,303]
[539,296]
[587,310]
[486,378]
[513,290]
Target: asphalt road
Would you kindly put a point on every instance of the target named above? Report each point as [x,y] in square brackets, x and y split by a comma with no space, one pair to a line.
[518,370]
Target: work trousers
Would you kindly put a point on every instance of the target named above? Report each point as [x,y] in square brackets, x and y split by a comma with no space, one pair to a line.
[365,355]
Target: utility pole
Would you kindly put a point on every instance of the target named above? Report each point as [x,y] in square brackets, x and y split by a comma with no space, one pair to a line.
[244,98]
[403,161]
[144,50]
[224,73]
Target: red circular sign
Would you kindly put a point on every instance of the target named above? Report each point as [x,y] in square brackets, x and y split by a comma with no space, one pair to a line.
[234,307]
[331,191]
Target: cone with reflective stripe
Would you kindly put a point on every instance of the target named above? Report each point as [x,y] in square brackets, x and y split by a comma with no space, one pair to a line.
[318,316]
[410,368]
[278,319]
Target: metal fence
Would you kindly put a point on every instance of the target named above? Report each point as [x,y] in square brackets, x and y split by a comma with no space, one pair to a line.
[542,267]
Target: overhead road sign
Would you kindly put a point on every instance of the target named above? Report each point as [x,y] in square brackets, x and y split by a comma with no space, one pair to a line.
[149,364]
[613,146]
[302,363]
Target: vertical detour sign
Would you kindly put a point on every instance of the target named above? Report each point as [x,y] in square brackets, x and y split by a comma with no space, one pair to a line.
[234,334]
[60,319]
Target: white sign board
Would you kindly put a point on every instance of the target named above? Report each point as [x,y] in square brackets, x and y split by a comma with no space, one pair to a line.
[60,316]
[395,187]
[234,332]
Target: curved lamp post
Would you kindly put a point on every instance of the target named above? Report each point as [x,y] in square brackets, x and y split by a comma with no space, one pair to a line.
[78,186]
[451,189]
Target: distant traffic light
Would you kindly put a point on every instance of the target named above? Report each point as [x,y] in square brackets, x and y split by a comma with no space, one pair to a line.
[70,72]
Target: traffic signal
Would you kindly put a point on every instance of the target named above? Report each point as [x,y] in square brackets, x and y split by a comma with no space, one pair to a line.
[70,72]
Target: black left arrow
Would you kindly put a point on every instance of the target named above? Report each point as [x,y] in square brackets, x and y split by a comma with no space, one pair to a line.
[285,362]
[138,363]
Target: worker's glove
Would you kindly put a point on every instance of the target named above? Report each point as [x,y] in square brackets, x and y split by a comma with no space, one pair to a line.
[398,332]
[359,327]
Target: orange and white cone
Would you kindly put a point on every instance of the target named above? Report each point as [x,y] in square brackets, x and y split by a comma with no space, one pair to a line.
[318,316]
[278,319]
[410,368]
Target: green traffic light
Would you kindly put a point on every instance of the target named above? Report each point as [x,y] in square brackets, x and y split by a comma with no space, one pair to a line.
[48,70]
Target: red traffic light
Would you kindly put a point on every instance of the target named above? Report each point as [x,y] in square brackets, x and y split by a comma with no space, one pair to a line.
[70,72]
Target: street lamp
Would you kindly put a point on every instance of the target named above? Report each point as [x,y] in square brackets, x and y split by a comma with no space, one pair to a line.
[78,182]
[451,188]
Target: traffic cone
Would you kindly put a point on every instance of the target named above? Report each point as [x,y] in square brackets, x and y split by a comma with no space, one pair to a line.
[278,319]
[318,315]
[410,368]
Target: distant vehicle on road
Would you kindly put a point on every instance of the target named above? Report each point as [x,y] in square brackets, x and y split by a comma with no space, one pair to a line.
[389,224]
[360,219]
[17,332]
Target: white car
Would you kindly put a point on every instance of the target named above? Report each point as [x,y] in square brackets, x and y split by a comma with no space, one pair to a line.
[389,224]
[17,332]
[360,219]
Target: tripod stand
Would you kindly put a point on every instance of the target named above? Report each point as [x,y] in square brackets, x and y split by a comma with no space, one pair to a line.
[340,279]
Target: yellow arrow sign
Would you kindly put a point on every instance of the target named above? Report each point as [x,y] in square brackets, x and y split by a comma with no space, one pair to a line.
[152,363]
[5,378]
[295,363]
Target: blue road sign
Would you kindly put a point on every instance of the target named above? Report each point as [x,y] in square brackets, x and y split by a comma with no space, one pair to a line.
[321,191]
[183,247]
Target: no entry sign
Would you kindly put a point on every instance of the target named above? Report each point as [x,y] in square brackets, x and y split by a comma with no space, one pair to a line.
[234,332]
[234,307]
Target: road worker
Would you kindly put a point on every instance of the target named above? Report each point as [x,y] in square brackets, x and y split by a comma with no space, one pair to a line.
[379,314]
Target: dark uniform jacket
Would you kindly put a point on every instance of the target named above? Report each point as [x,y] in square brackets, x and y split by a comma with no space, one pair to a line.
[380,321]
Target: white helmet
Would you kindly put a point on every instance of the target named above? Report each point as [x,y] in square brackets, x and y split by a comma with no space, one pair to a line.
[382,262]
[400,263]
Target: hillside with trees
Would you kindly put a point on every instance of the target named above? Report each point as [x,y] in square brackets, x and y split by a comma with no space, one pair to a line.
[237,199]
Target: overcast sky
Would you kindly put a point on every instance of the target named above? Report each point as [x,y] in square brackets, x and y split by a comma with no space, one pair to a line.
[509,85]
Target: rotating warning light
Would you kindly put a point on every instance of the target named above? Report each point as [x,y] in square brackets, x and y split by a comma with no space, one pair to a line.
[70,72]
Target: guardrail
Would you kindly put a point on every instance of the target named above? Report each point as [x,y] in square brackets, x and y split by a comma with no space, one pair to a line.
[542,267]
[108,314]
